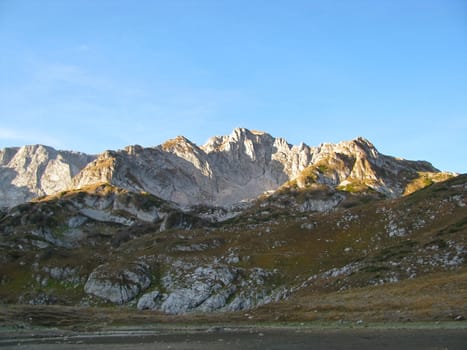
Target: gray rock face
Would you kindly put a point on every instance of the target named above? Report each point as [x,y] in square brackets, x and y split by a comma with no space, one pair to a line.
[118,286]
[212,288]
[322,205]
[186,299]
[46,237]
[32,171]
[359,161]
[239,167]
[206,289]
[249,163]
[226,171]
[149,301]
[117,206]
[67,274]
[217,301]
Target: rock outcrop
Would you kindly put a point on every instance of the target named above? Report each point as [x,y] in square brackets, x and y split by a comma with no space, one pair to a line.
[118,286]
[31,171]
[358,163]
[214,287]
[149,301]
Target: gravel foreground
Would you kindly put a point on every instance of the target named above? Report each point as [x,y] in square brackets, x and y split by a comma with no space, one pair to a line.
[227,338]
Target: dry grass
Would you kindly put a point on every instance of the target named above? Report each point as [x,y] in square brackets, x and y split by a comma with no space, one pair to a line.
[439,296]
[425,179]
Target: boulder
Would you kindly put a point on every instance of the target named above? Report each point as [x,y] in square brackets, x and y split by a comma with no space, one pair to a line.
[118,285]
[185,299]
[207,288]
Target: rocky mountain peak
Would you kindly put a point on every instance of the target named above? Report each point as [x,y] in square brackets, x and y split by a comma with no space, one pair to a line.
[133,149]
[240,138]
[100,170]
[179,143]
[363,148]
[241,134]
[359,147]
[36,170]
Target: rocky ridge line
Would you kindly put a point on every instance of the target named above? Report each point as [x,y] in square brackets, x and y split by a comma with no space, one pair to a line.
[227,170]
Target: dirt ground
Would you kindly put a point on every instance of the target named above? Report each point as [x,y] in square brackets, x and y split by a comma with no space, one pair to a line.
[238,338]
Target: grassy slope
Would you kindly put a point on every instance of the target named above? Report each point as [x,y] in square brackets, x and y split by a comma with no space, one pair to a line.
[283,240]
[437,296]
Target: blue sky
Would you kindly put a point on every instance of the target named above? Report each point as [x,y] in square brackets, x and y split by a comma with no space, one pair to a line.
[93,75]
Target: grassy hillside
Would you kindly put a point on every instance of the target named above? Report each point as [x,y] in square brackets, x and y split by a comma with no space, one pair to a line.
[369,258]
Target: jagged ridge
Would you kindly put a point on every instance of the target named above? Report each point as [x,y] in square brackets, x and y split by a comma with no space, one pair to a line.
[225,171]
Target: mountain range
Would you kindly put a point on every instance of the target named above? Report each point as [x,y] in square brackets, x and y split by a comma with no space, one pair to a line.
[245,222]
[226,171]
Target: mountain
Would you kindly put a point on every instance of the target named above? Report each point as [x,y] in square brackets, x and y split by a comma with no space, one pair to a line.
[244,222]
[225,171]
